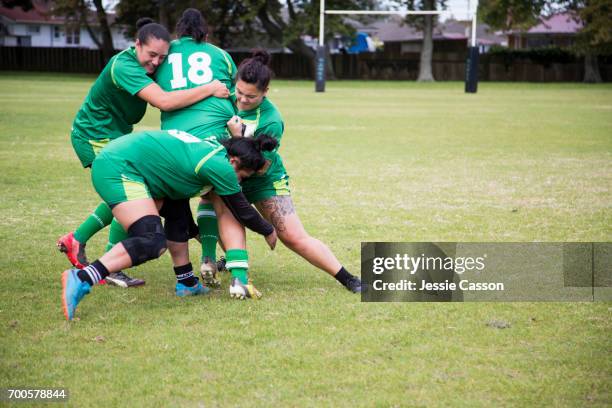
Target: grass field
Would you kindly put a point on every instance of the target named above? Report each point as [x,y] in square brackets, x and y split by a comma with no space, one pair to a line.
[369,161]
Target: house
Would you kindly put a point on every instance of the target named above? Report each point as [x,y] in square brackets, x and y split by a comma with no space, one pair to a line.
[558,30]
[450,36]
[39,28]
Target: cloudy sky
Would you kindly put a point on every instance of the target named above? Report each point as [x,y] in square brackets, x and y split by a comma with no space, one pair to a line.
[459,8]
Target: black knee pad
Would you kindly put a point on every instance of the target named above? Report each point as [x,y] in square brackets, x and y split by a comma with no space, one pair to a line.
[146,239]
[178,220]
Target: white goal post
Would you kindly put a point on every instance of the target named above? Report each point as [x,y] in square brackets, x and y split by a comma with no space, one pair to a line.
[471,66]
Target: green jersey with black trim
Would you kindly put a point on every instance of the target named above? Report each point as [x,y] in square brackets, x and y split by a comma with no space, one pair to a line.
[265,120]
[111,107]
[190,64]
[175,164]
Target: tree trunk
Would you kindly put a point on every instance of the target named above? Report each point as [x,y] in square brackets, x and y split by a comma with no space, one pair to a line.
[163,15]
[425,74]
[591,69]
[108,49]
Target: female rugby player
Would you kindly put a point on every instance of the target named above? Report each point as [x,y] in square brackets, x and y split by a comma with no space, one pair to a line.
[117,100]
[135,172]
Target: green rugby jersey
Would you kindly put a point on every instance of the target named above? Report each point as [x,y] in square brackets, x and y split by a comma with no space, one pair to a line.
[111,107]
[265,120]
[190,64]
[175,164]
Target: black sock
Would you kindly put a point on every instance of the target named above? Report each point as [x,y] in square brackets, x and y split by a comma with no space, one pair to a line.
[93,273]
[343,276]
[184,275]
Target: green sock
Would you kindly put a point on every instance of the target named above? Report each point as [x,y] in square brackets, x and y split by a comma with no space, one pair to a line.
[116,234]
[237,262]
[209,231]
[100,218]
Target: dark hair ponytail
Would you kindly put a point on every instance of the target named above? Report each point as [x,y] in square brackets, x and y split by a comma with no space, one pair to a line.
[265,143]
[192,24]
[249,149]
[255,70]
[148,28]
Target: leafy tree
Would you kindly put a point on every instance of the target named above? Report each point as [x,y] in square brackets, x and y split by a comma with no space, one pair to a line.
[282,22]
[26,5]
[596,36]
[511,14]
[594,39]
[78,13]
[228,20]
[425,23]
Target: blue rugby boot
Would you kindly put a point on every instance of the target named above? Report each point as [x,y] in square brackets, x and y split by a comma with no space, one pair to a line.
[197,289]
[73,290]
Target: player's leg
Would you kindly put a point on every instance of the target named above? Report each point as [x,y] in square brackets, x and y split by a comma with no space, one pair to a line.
[178,218]
[233,237]
[279,210]
[117,234]
[73,244]
[128,195]
[209,235]
[146,240]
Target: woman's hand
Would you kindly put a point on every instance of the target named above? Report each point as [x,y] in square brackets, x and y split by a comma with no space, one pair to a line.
[235,126]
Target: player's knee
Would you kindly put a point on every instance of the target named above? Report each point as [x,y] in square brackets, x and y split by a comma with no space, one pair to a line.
[293,239]
[146,241]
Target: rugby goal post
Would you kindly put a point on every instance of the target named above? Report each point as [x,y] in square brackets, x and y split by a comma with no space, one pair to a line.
[471,67]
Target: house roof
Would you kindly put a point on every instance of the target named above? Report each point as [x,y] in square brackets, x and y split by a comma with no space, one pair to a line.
[394,29]
[41,13]
[562,23]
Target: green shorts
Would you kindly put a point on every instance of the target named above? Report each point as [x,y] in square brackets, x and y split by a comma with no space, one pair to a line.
[86,149]
[259,188]
[117,181]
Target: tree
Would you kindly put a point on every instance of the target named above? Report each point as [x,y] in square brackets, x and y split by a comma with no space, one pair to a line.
[511,14]
[425,23]
[81,13]
[228,20]
[26,5]
[78,13]
[595,38]
[283,22]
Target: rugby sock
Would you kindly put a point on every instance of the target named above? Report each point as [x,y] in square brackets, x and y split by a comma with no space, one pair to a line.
[209,231]
[100,218]
[116,234]
[184,275]
[343,276]
[93,273]
[237,262]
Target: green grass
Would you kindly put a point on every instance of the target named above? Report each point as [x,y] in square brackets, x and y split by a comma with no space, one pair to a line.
[369,161]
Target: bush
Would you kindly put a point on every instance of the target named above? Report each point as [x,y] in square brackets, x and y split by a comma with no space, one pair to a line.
[544,56]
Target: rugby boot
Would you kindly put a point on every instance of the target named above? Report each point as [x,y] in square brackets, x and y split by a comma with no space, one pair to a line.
[123,281]
[73,290]
[239,290]
[184,290]
[74,250]
[208,271]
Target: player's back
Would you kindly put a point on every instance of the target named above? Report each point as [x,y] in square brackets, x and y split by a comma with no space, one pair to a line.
[171,162]
[190,64]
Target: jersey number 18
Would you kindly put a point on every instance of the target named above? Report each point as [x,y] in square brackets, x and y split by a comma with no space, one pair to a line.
[199,69]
